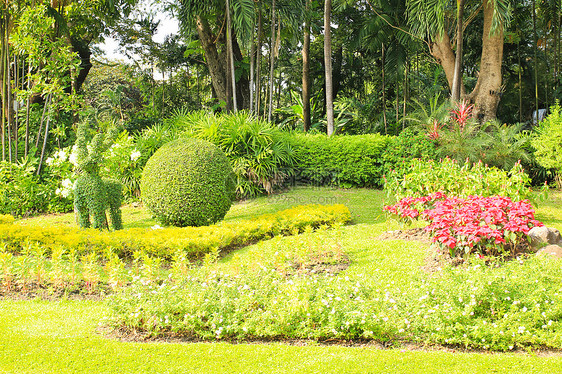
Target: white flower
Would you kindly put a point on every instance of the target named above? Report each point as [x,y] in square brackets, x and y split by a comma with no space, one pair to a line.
[67,183]
[135,155]
[50,161]
[73,156]
[156,227]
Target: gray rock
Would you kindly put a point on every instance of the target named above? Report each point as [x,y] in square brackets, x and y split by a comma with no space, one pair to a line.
[541,236]
[551,250]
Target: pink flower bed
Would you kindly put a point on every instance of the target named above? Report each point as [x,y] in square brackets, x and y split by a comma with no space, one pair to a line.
[476,224]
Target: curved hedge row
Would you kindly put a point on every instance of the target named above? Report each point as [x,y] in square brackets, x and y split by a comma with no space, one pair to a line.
[164,243]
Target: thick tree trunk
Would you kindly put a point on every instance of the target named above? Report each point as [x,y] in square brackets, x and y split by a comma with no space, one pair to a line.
[215,65]
[442,50]
[328,67]
[486,93]
[306,72]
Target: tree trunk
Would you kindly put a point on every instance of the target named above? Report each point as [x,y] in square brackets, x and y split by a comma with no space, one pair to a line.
[231,56]
[536,61]
[271,61]
[457,74]
[442,50]
[486,93]
[383,91]
[214,64]
[243,84]
[328,67]
[252,70]
[258,65]
[306,72]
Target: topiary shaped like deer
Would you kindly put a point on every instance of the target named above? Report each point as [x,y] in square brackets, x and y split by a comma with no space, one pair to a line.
[92,194]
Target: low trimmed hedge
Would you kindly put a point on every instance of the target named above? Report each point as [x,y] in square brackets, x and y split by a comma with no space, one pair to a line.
[343,160]
[356,160]
[165,242]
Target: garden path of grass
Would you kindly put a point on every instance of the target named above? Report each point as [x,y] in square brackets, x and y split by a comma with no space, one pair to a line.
[61,337]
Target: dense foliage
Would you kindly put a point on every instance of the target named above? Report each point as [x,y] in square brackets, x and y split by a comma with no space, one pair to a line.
[548,141]
[345,161]
[421,178]
[491,226]
[188,182]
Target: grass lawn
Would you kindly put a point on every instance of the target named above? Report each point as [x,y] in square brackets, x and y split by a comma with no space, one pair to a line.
[61,336]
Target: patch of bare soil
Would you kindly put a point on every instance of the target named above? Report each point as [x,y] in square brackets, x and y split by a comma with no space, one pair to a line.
[418,234]
[436,258]
[127,335]
[317,268]
[78,291]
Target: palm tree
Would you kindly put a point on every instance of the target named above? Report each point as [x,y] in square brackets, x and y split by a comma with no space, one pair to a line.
[328,67]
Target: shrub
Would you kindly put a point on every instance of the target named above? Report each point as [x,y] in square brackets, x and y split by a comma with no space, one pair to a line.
[408,145]
[488,225]
[164,243]
[344,161]
[259,152]
[548,141]
[188,182]
[423,178]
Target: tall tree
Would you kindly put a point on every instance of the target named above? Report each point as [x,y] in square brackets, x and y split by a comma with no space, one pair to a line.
[328,67]
[306,70]
[430,22]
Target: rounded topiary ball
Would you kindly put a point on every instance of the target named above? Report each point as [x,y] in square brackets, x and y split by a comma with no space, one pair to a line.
[188,182]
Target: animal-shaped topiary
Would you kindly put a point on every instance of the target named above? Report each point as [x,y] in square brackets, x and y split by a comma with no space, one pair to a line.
[92,194]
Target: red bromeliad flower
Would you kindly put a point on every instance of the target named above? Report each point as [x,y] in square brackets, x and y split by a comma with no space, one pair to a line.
[462,114]
[433,130]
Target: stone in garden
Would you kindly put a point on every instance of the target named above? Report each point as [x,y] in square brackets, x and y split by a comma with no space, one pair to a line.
[541,236]
[551,250]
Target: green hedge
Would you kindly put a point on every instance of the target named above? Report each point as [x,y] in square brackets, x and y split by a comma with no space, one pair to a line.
[356,160]
[345,160]
[15,237]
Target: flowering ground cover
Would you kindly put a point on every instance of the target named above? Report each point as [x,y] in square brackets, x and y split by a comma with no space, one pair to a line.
[384,297]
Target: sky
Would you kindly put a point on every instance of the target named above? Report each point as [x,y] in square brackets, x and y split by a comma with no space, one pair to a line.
[168,25]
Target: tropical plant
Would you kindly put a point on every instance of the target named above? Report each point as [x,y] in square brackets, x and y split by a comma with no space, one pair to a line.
[547,142]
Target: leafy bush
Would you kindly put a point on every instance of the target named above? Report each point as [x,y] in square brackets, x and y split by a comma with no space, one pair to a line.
[487,225]
[165,243]
[260,153]
[423,178]
[345,161]
[188,182]
[548,141]
[23,193]
[408,145]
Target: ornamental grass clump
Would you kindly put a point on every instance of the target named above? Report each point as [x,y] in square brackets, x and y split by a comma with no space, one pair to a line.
[491,226]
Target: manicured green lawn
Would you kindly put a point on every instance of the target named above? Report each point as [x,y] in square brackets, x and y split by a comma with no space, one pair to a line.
[366,205]
[62,337]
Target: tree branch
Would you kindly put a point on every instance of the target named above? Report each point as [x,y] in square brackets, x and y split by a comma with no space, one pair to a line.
[396,27]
